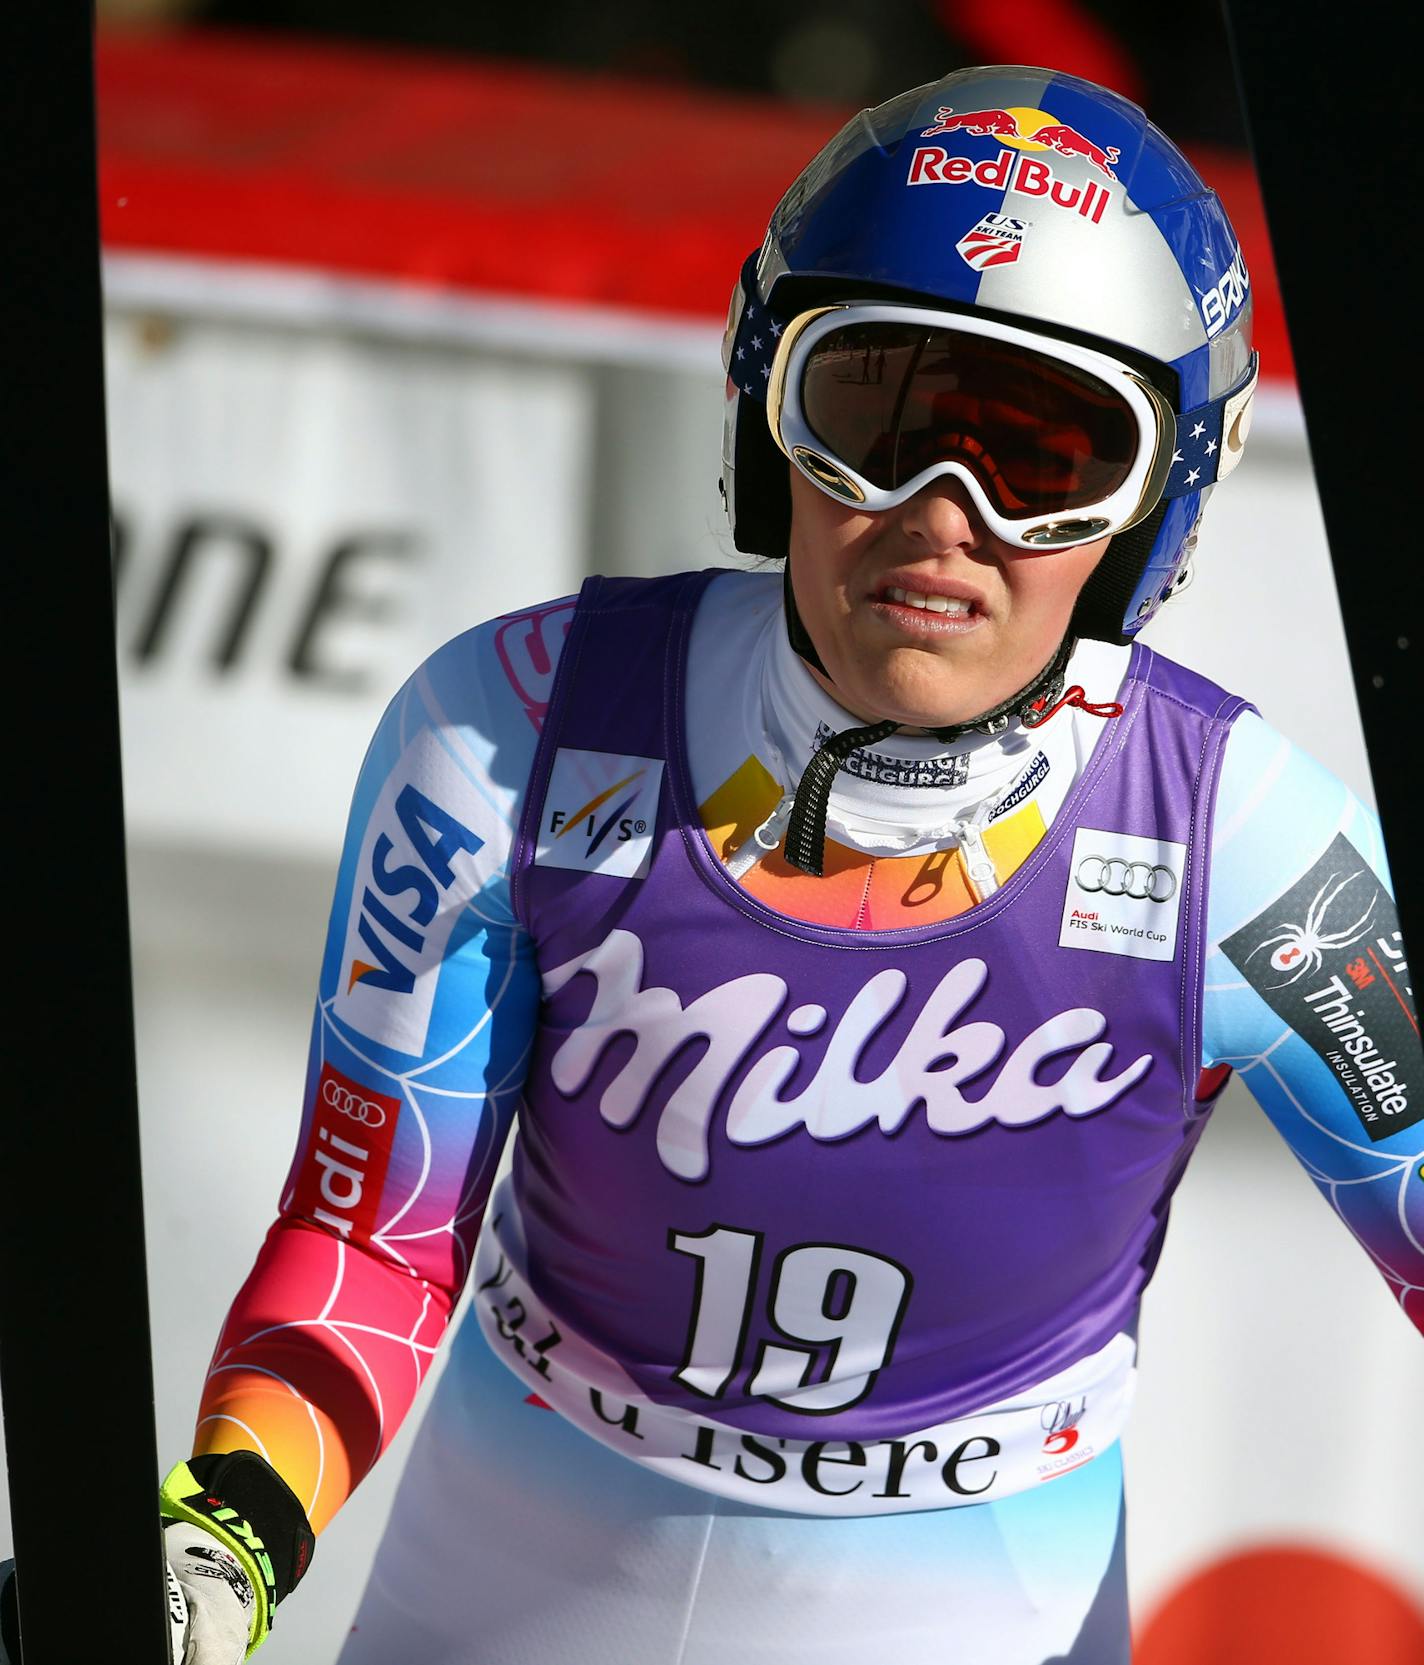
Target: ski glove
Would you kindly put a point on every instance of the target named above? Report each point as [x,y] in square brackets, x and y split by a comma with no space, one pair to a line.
[238,1499]
[225,1574]
[210,1598]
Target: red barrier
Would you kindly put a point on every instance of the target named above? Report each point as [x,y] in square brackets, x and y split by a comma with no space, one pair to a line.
[475,175]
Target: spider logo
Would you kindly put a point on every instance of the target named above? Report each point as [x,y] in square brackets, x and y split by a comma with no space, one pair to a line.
[1300,948]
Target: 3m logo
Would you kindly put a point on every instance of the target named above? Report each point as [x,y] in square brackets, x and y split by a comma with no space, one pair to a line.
[415,872]
[599,813]
[343,1167]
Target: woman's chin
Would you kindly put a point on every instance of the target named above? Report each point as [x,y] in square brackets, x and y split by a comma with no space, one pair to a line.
[912,712]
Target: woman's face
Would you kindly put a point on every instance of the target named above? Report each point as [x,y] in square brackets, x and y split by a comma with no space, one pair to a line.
[852,573]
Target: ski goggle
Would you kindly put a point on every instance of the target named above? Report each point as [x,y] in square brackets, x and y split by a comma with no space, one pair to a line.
[1056,443]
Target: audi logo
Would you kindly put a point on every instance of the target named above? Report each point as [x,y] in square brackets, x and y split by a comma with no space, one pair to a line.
[1115,876]
[352,1104]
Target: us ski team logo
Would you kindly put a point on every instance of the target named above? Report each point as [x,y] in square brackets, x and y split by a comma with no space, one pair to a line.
[995,241]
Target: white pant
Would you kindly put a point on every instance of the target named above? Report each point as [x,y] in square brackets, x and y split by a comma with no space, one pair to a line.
[515,1539]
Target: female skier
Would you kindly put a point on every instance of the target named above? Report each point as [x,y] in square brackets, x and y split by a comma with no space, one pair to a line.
[863,941]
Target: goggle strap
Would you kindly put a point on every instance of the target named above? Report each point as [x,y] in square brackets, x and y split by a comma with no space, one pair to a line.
[1200,449]
[1098,612]
[754,345]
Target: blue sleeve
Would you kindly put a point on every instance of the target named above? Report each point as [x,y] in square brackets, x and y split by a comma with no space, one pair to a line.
[429,991]
[1308,995]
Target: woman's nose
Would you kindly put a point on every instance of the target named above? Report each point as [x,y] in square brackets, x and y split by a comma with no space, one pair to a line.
[941,516]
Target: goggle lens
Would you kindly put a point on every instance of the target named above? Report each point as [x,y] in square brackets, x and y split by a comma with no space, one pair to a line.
[1042,437]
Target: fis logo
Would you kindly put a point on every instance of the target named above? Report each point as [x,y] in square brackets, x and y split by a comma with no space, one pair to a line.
[415,872]
[599,813]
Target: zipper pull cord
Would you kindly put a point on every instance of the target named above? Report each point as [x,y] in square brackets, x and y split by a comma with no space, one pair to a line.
[762,841]
[978,863]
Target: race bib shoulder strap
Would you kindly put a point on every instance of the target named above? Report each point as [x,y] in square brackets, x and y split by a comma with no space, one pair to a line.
[240,1498]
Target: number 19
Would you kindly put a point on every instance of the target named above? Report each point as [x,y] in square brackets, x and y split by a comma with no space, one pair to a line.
[842,1304]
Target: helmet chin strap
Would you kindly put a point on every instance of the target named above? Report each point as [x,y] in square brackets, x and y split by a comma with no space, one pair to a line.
[805,845]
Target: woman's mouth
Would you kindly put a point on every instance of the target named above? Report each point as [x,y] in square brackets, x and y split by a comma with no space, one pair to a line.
[923,611]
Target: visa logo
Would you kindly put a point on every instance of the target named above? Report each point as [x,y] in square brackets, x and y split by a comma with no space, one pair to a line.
[417,868]
[436,838]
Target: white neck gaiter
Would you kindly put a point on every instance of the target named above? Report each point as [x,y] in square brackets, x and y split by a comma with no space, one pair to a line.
[908,792]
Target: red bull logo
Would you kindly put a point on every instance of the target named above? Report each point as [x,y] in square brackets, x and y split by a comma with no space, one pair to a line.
[1029,176]
[1025,129]
[981,122]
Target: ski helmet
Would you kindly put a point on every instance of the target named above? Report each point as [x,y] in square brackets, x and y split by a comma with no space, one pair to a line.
[1046,203]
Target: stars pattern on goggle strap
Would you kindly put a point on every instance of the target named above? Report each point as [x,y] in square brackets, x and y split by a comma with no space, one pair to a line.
[1197,455]
[754,347]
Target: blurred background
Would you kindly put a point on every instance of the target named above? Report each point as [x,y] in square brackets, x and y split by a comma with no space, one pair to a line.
[413,318]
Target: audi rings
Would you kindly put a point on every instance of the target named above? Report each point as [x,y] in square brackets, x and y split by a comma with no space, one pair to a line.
[347,1103]
[1115,876]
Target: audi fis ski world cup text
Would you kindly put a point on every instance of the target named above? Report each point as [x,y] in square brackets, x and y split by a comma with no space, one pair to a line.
[1123,895]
